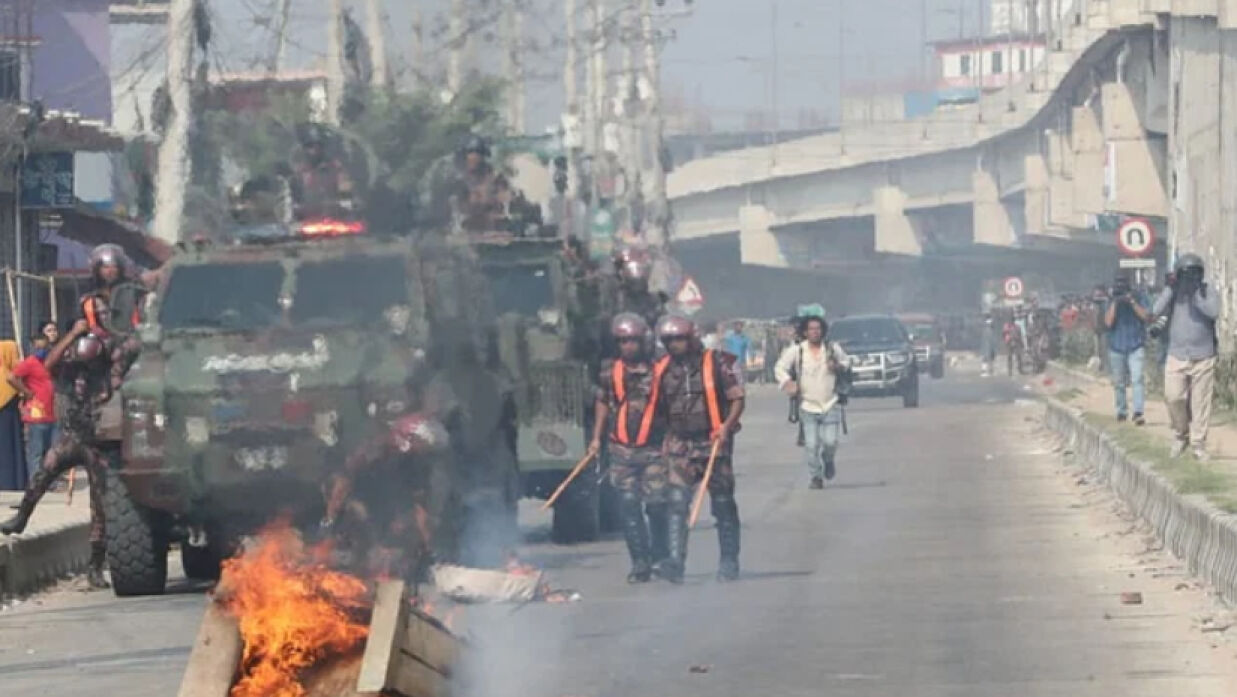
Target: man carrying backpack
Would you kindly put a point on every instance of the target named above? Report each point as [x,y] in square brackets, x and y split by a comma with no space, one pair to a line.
[816,375]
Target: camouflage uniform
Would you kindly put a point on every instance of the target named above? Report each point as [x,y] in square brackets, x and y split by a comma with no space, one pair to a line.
[688,444]
[477,201]
[392,498]
[649,305]
[79,389]
[637,469]
[634,468]
[115,313]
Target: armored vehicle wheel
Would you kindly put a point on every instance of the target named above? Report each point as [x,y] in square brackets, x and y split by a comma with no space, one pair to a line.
[137,543]
[577,514]
[201,563]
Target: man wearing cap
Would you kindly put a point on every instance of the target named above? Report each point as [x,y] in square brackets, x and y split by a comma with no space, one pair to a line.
[626,412]
[1191,309]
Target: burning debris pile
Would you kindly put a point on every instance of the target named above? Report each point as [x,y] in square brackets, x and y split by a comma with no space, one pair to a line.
[293,612]
[284,624]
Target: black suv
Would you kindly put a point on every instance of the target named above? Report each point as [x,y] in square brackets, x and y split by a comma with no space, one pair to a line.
[882,356]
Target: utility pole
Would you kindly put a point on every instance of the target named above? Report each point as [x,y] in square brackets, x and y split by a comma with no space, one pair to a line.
[458,37]
[569,66]
[174,162]
[923,41]
[334,61]
[418,47]
[600,83]
[773,88]
[513,61]
[377,44]
[655,229]
[629,94]
[281,37]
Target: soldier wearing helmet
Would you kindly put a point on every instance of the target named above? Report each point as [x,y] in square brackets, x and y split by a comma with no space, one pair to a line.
[79,361]
[476,202]
[113,309]
[320,184]
[627,417]
[1189,308]
[701,393]
[389,496]
[634,268]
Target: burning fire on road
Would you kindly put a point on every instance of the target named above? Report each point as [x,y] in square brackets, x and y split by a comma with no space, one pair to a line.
[293,611]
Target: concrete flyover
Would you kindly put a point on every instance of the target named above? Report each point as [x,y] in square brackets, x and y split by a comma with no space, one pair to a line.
[1028,177]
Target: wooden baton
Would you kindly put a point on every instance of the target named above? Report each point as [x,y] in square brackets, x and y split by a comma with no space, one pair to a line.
[704,484]
[575,472]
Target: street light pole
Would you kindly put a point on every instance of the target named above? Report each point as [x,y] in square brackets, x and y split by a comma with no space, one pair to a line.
[174,159]
[655,228]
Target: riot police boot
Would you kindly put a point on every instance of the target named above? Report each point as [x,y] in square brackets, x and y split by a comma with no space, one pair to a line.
[726,515]
[94,575]
[39,484]
[658,531]
[672,566]
[636,532]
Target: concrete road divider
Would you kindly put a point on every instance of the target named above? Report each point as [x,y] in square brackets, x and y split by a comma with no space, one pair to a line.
[40,557]
[1191,527]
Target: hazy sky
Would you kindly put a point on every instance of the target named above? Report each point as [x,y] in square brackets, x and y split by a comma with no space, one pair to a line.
[720,56]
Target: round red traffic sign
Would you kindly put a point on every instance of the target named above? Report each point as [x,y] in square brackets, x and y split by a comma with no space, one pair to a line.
[1136,237]
[1012,287]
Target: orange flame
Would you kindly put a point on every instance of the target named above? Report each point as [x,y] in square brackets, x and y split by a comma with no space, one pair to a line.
[293,612]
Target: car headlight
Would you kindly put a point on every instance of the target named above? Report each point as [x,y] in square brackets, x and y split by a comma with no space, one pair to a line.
[549,317]
[897,357]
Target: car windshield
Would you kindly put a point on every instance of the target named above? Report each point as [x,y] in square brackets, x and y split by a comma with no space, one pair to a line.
[223,296]
[876,330]
[521,289]
[923,331]
[350,291]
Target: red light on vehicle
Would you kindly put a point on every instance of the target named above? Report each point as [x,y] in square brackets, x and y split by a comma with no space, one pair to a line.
[296,411]
[331,228]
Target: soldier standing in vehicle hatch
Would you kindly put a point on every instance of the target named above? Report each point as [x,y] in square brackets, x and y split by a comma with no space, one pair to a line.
[321,186]
[627,403]
[113,309]
[701,393]
[79,362]
[476,201]
[635,268]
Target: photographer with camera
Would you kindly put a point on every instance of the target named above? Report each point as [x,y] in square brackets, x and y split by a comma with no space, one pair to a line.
[1126,316]
[816,375]
[1191,309]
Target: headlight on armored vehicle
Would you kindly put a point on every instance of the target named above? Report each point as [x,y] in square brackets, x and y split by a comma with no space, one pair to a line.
[326,428]
[144,427]
[197,430]
[549,317]
[897,357]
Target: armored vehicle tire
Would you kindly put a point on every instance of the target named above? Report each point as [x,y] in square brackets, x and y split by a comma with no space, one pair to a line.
[938,369]
[577,514]
[910,394]
[137,543]
[201,563]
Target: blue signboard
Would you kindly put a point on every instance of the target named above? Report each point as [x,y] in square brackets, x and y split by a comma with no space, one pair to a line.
[47,180]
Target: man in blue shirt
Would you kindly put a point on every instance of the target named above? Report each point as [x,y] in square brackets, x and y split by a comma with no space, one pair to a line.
[1126,316]
[736,343]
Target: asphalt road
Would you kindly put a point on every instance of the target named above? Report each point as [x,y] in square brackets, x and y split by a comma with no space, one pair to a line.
[955,554]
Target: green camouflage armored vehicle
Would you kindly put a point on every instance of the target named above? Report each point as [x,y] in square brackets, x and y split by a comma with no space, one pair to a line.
[551,312]
[265,363]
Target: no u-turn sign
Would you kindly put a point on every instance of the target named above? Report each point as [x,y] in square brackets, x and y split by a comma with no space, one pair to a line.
[1136,237]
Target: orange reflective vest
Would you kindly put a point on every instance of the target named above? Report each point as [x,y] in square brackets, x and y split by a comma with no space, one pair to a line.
[621,433]
[708,370]
[91,314]
[709,374]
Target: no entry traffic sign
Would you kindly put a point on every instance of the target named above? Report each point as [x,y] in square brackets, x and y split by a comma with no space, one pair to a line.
[1136,237]
[1012,287]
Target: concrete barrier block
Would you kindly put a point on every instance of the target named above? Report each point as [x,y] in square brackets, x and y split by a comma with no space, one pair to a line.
[1200,534]
[31,562]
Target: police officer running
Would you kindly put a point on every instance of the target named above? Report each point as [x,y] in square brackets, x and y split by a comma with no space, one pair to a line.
[701,393]
[627,409]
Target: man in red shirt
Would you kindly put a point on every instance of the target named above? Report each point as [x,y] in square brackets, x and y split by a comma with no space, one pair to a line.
[38,411]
